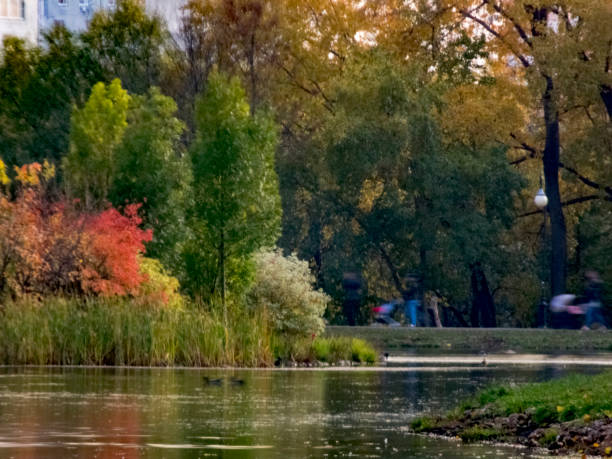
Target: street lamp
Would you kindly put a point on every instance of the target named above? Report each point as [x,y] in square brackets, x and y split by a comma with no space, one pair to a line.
[541,201]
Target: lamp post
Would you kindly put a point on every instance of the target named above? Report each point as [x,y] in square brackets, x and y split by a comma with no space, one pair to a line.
[541,201]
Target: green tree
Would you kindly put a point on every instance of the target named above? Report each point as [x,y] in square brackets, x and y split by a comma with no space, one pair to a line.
[96,132]
[382,193]
[127,44]
[151,170]
[38,88]
[236,207]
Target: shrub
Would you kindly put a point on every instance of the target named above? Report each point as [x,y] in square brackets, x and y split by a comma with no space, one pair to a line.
[330,350]
[114,243]
[46,246]
[362,351]
[159,287]
[321,348]
[283,288]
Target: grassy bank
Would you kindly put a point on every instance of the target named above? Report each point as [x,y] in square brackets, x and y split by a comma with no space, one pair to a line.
[475,340]
[119,332]
[572,414]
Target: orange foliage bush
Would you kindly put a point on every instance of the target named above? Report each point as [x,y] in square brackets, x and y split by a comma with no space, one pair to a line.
[48,247]
[115,240]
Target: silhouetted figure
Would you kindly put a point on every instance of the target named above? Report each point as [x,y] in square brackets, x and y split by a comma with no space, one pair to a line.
[352,296]
[592,300]
[382,313]
[412,300]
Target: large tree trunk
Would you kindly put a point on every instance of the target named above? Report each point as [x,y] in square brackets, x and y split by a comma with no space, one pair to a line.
[483,306]
[558,256]
[475,310]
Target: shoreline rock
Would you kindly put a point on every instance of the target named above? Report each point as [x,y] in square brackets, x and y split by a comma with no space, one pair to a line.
[587,437]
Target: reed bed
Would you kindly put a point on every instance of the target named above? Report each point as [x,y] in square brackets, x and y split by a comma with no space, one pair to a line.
[62,331]
[121,332]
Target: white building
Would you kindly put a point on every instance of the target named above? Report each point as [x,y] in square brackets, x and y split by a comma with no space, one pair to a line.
[73,14]
[19,18]
[27,18]
[76,14]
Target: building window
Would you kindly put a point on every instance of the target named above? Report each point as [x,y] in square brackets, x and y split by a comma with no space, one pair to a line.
[10,9]
[23,10]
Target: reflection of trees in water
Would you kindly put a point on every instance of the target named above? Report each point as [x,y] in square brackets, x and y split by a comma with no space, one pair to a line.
[295,411]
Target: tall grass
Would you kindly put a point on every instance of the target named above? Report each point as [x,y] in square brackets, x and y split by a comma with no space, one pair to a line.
[96,331]
[118,332]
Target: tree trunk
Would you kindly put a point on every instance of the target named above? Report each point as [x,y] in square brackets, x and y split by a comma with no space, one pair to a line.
[222,273]
[433,306]
[475,310]
[483,306]
[558,257]
[606,96]
[253,76]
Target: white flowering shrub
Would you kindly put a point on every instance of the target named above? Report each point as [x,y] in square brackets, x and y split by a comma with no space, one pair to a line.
[284,289]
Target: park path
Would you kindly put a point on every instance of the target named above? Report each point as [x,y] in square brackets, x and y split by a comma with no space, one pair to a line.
[503,359]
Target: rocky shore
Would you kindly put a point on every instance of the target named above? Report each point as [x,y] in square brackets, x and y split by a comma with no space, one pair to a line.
[582,436]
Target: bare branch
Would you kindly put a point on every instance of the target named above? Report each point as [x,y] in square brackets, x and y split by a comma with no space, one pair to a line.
[587,181]
[570,202]
[496,34]
[516,25]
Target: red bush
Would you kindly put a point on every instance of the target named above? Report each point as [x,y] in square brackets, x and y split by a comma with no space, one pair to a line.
[115,240]
[48,247]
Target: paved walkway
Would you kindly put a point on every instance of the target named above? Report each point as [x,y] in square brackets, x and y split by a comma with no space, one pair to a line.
[503,359]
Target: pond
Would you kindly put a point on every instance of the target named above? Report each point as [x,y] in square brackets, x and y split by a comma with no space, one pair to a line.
[187,413]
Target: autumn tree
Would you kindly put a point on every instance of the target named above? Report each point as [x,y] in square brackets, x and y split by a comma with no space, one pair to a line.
[559,53]
[236,206]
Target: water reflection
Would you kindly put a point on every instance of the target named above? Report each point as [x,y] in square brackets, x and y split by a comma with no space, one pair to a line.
[130,413]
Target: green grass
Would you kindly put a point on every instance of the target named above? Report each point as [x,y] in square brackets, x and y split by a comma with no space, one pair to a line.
[474,340]
[116,331]
[549,437]
[576,397]
[477,433]
[423,424]
[328,350]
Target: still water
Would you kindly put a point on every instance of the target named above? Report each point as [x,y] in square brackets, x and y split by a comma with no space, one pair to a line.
[172,413]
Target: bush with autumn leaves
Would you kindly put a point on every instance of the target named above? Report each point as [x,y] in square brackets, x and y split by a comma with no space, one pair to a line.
[49,246]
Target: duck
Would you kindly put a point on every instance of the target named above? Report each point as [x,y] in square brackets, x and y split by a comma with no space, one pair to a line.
[213,381]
